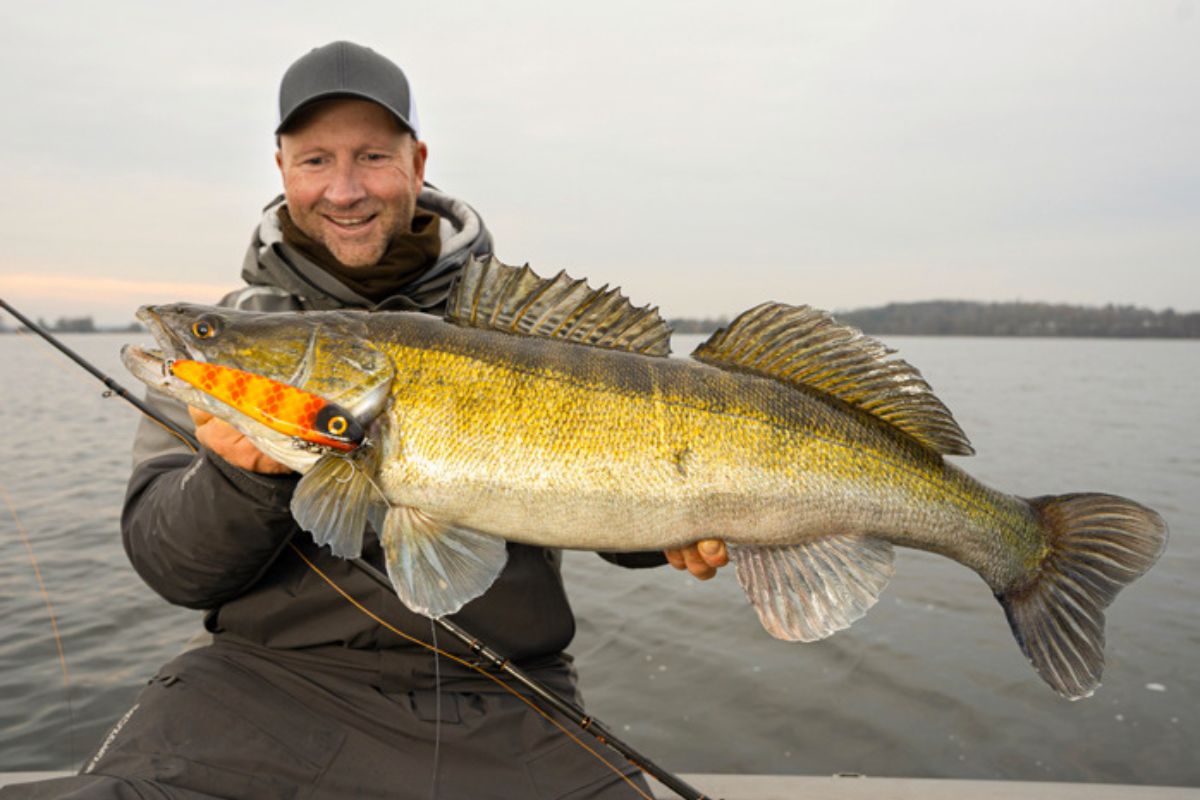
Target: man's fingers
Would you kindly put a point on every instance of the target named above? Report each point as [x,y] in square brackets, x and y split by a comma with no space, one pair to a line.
[232,445]
[713,552]
[696,563]
[701,559]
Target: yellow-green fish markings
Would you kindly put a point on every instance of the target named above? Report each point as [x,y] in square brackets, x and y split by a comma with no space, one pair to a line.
[544,412]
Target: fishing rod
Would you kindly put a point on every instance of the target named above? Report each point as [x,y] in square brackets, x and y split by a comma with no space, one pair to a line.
[112,385]
[559,703]
[477,647]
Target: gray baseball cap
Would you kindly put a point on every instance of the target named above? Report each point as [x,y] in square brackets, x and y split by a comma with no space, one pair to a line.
[345,69]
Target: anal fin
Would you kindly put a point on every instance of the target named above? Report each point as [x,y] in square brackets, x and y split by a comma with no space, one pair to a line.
[808,591]
[438,567]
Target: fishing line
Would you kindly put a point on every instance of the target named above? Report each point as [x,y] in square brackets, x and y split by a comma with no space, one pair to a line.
[437,708]
[107,393]
[464,662]
[58,643]
[58,365]
[112,385]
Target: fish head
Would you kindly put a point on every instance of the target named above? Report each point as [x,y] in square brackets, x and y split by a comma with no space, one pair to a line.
[327,354]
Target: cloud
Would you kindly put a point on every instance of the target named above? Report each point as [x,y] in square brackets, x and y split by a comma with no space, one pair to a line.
[703,154]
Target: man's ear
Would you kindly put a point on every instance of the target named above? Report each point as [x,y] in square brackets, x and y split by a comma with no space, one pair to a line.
[420,153]
[279,159]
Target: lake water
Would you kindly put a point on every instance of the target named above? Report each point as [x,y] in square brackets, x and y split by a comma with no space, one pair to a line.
[929,684]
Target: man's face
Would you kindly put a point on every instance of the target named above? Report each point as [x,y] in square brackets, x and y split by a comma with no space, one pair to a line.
[351,176]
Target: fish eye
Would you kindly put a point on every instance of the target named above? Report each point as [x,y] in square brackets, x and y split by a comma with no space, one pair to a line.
[204,329]
[337,426]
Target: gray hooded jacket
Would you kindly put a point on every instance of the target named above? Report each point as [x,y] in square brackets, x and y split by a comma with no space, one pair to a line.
[205,534]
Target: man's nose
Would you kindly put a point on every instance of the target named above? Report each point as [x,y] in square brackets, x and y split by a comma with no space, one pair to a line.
[345,187]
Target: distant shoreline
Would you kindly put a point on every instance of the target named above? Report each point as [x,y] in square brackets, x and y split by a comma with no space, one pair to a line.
[926,318]
[966,318]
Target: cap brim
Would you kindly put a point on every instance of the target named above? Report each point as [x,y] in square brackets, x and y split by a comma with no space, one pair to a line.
[299,108]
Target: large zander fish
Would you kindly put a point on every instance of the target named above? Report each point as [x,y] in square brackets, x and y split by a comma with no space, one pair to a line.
[545,412]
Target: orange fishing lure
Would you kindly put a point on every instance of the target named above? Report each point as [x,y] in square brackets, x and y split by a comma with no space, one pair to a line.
[282,408]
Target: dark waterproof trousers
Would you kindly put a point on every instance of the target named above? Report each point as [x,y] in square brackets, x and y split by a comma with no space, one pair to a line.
[229,722]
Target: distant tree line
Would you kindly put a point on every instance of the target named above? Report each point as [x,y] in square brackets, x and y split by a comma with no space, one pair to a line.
[928,318]
[964,318]
[76,325]
[70,325]
[706,325]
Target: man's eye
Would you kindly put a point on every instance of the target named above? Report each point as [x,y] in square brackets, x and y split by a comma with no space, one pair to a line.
[315,161]
[375,157]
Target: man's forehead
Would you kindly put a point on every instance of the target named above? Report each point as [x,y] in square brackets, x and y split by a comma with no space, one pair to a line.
[343,118]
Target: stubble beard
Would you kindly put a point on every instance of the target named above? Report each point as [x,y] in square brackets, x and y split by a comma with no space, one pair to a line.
[348,251]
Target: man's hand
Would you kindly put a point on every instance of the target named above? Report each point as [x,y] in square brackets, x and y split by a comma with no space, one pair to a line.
[701,559]
[232,445]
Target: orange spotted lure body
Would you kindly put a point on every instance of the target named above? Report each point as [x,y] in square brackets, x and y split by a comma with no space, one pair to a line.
[282,408]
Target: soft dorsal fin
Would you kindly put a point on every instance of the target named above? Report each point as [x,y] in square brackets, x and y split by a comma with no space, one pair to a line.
[806,346]
[515,300]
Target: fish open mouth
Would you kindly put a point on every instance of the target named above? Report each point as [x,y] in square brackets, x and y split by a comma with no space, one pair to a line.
[149,365]
[152,365]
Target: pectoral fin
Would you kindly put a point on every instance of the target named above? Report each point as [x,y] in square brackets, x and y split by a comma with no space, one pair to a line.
[331,503]
[809,591]
[437,567]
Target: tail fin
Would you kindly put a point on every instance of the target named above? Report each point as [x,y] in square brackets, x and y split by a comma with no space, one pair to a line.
[1098,543]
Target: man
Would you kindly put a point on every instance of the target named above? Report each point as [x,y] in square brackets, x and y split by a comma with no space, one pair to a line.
[299,693]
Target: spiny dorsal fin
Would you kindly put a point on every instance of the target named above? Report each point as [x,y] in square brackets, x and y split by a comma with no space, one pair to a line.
[806,346]
[515,300]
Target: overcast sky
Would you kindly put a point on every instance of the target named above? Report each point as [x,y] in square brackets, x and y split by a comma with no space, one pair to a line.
[705,155]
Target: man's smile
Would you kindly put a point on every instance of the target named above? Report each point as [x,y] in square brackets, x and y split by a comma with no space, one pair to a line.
[350,224]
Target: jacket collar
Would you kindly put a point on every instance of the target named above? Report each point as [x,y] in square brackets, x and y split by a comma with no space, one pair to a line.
[272,262]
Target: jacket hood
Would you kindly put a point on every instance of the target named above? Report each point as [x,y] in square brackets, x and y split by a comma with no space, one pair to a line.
[272,267]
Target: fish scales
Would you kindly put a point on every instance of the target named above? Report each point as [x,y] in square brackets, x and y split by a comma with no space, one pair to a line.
[796,439]
[642,453]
